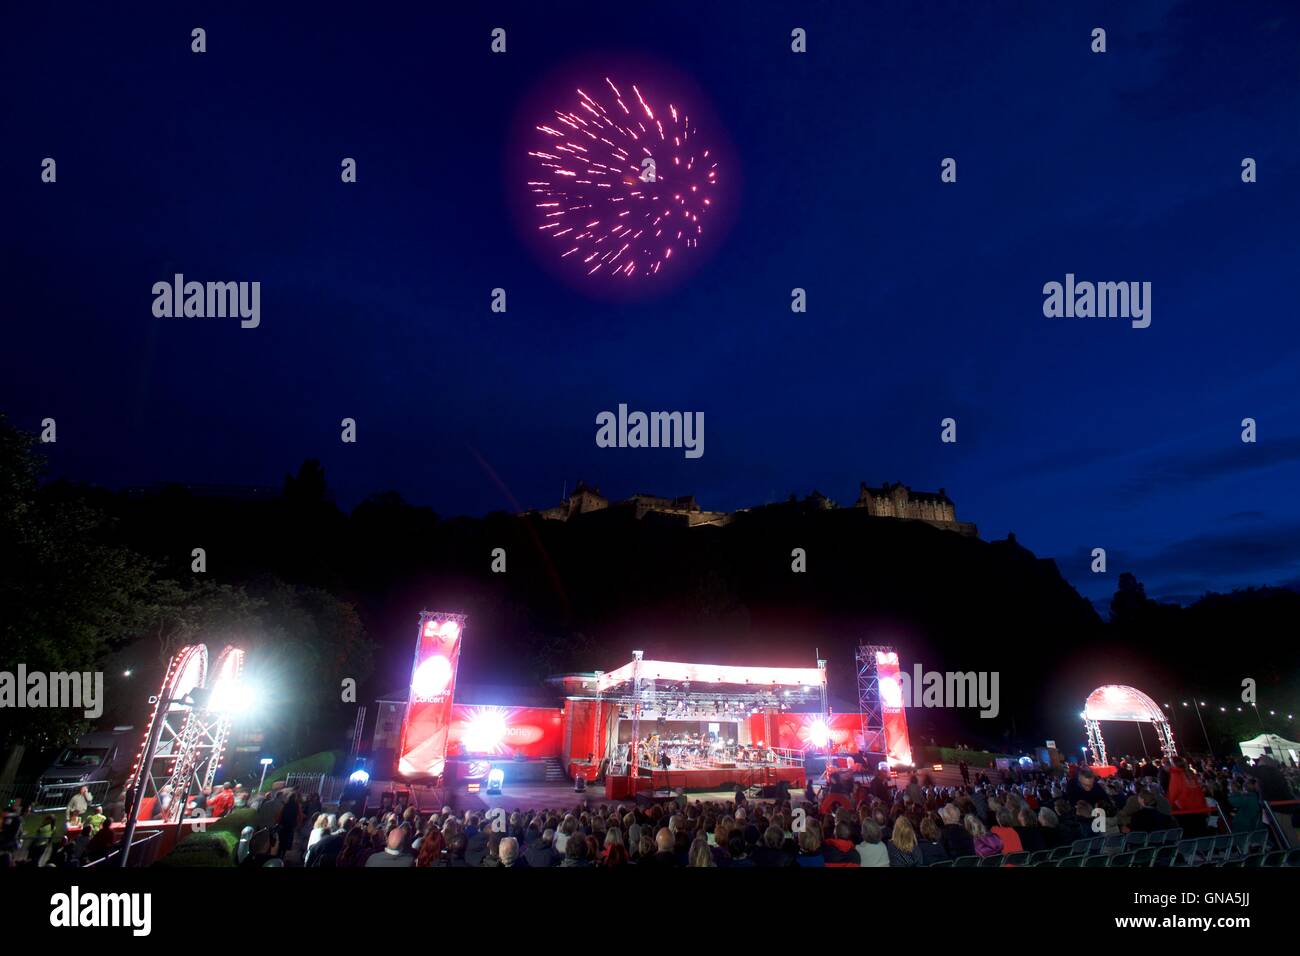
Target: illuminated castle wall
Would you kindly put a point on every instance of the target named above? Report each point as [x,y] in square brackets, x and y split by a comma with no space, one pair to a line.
[894,500]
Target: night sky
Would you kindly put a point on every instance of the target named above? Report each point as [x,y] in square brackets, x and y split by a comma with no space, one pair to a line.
[924,298]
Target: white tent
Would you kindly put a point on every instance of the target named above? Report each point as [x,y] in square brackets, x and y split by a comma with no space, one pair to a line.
[1282,750]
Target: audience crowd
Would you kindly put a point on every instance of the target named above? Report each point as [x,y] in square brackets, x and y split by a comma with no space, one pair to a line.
[910,822]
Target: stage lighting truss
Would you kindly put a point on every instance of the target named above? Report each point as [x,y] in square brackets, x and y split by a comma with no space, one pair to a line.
[673,704]
[869,700]
[193,717]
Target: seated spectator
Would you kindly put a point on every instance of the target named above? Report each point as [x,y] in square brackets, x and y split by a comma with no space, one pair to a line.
[394,852]
[1148,818]
[542,854]
[1049,828]
[810,846]
[986,844]
[508,852]
[839,850]
[772,850]
[431,847]
[1031,834]
[902,848]
[872,850]
[575,853]
[737,851]
[700,854]
[932,851]
[956,839]
[1005,832]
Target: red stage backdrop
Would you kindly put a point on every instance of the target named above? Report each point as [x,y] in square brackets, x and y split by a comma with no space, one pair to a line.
[426,729]
[533,732]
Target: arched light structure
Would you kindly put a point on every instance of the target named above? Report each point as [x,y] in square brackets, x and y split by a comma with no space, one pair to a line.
[1128,704]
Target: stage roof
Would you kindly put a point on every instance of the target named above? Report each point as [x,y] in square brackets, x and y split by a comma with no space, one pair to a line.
[709,674]
[1118,702]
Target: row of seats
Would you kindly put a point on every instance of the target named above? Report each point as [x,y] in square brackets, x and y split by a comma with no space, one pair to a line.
[1156,849]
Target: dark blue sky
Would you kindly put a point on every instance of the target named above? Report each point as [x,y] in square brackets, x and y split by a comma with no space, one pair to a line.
[924,299]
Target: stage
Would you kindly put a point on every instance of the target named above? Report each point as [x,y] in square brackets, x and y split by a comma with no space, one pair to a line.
[717,778]
[724,779]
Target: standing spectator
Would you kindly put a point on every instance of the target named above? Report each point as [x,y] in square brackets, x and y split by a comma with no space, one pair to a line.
[79,804]
[1246,809]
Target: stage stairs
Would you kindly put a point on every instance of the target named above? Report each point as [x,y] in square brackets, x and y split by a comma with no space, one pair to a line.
[555,771]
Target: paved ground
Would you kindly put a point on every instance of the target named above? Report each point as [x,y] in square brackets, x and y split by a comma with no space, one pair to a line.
[561,795]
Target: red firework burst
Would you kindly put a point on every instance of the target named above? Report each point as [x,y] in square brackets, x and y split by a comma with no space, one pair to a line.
[622,188]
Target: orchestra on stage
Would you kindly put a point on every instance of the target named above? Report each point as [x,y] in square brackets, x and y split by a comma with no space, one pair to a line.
[694,751]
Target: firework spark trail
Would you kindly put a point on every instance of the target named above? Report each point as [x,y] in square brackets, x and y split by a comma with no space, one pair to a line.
[594,196]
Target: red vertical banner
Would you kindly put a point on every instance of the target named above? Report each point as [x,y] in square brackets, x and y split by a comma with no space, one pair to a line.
[427,728]
[891,707]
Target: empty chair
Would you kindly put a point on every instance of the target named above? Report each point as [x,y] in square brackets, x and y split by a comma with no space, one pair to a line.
[1072,861]
[1257,841]
[1186,853]
[1255,859]
[994,860]
[1145,856]
[1046,863]
[1220,848]
[1292,857]
[1038,856]
[1135,839]
[1165,856]
[1097,859]
[1165,837]
[966,861]
[1061,852]
[1016,859]
[942,863]
[1112,842]
[1240,844]
[1122,859]
[1276,858]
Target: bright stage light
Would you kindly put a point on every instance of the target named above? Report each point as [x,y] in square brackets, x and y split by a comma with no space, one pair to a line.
[432,676]
[890,692]
[444,630]
[485,732]
[818,733]
[231,697]
[359,777]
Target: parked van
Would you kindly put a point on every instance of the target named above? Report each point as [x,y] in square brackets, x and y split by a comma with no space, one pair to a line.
[100,760]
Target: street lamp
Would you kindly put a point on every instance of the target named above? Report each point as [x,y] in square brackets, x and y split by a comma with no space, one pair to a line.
[266,762]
